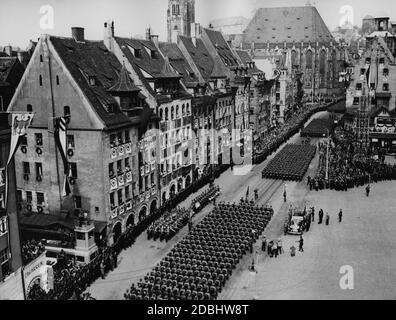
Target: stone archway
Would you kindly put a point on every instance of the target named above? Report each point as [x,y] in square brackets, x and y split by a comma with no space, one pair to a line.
[131,220]
[172,190]
[188,181]
[117,231]
[153,206]
[179,184]
[142,213]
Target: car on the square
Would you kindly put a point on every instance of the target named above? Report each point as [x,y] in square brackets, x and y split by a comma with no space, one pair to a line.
[295,225]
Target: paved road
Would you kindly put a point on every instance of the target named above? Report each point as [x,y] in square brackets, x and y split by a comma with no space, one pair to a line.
[364,241]
[135,262]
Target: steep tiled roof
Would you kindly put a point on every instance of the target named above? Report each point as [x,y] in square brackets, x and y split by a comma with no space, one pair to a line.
[222,47]
[154,66]
[218,70]
[199,55]
[245,58]
[167,71]
[6,65]
[91,58]
[287,24]
[178,62]
[124,83]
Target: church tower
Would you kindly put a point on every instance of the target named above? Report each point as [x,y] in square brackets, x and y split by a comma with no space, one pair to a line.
[180,15]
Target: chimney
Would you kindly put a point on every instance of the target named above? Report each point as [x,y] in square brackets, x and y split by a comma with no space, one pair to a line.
[78,33]
[148,33]
[154,38]
[8,50]
[108,35]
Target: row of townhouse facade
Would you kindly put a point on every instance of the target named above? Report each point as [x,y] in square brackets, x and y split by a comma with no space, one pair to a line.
[134,111]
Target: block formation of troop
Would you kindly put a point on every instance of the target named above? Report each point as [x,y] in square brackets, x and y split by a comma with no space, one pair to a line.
[198,267]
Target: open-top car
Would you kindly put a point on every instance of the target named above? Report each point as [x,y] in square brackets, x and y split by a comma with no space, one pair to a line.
[295,225]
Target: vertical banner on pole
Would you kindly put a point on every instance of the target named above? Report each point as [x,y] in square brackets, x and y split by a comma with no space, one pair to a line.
[19,124]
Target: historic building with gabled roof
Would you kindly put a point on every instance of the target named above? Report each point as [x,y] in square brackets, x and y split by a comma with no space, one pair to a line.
[304,36]
[84,82]
[168,98]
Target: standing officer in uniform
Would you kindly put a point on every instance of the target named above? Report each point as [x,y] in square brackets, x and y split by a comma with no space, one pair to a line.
[327,219]
[320,216]
[301,244]
[340,216]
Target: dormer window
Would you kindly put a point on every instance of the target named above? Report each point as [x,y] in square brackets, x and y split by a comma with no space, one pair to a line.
[385,72]
[368,60]
[137,53]
[110,108]
[358,86]
[154,54]
[381,60]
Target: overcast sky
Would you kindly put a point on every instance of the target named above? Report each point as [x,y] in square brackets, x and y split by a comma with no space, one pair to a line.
[20,19]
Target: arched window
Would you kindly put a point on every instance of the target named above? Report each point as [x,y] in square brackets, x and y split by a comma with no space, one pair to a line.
[161,114]
[172,112]
[294,58]
[177,111]
[188,108]
[173,9]
[177,9]
[41,80]
[308,59]
[183,110]
[29,108]
[166,114]
[322,62]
